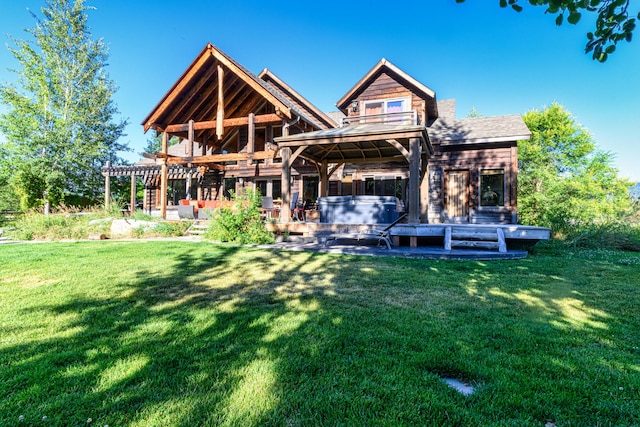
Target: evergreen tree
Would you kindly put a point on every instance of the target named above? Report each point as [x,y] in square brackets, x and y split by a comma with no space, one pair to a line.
[564,181]
[61,124]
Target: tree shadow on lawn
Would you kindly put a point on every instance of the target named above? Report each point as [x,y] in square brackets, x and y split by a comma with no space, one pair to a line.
[306,340]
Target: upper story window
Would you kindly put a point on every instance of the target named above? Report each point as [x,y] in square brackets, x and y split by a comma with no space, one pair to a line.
[387,111]
[385,106]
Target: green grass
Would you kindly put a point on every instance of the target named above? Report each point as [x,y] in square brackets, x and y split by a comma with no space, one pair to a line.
[197,334]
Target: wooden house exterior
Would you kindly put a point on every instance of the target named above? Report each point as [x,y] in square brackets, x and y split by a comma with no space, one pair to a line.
[390,137]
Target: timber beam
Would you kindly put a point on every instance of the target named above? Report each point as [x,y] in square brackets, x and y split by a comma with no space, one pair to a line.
[271,118]
[221,158]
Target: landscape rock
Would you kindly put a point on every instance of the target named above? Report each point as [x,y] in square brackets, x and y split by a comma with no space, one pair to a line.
[124,227]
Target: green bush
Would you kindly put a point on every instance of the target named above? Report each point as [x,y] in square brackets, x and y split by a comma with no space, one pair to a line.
[617,236]
[240,223]
[58,226]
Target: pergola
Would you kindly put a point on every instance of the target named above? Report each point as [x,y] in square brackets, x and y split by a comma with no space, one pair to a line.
[358,143]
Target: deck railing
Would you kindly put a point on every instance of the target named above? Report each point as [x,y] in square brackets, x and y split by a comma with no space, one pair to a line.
[398,118]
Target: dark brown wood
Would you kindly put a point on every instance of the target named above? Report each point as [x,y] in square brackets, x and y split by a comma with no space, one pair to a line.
[285,213]
[227,123]
[220,113]
[251,137]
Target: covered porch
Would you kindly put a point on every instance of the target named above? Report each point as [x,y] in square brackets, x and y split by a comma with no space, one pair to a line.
[378,143]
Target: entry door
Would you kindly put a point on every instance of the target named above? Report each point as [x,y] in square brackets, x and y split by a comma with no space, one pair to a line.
[458,196]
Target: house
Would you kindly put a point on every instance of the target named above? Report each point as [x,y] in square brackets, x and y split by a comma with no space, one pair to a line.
[391,136]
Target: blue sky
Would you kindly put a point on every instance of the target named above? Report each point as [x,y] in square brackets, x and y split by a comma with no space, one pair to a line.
[497,60]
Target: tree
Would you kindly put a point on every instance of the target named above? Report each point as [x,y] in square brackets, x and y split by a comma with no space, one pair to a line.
[473,113]
[154,144]
[614,23]
[564,181]
[60,127]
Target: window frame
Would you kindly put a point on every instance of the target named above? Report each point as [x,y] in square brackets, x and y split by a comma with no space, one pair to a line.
[406,101]
[481,191]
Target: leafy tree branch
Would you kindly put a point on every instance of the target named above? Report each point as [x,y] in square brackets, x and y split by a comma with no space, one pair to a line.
[614,22]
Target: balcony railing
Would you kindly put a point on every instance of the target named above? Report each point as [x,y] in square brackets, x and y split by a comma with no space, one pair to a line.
[399,118]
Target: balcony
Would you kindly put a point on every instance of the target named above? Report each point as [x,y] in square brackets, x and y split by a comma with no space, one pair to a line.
[397,118]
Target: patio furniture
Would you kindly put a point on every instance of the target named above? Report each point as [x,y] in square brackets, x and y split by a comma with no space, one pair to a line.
[267,207]
[297,211]
[382,235]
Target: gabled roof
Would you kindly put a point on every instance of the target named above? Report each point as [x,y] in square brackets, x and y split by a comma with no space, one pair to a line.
[194,96]
[299,103]
[384,66]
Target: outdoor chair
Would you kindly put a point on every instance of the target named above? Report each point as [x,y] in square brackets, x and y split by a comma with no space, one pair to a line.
[186,212]
[297,211]
[267,207]
[382,235]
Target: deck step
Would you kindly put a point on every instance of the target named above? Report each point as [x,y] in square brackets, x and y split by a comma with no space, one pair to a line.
[475,244]
[458,234]
[474,238]
[196,229]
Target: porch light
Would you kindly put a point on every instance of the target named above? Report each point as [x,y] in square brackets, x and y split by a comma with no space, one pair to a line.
[354,106]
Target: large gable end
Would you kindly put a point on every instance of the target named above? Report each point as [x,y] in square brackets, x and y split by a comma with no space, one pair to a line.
[385,80]
[211,77]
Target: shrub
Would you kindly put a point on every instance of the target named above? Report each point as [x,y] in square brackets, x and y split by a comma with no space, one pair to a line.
[64,225]
[618,236]
[240,223]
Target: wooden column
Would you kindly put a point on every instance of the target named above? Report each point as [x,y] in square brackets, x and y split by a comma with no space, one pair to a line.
[285,213]
[414,181]
[220,114]
[190,141]
[424,195]
[204,145]
[251,138]
[107,188]
[132,201]
[324,179]
[268,139]
[164,177]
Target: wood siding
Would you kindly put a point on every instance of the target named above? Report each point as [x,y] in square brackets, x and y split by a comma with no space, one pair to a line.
[473,159]
[386,87]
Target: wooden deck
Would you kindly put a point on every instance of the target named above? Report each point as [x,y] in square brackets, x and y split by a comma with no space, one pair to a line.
[471,236]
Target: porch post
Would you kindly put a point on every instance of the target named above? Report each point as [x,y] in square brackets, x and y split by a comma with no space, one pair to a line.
[414,181]
[164,178]
[285,212]
[132,200]
[251,139]
[324,179]
[107,187]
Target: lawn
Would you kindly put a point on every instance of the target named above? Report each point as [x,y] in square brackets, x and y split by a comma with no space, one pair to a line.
[197,334]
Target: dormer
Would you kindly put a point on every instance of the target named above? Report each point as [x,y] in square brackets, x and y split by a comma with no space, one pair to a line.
[388,95]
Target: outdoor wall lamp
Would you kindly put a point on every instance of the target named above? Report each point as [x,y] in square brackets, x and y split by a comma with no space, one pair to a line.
[354,106]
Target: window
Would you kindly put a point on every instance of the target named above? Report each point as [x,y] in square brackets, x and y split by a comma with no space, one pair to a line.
[276,189]
[492,187]
[310,186]
[384,186]
[387,106]
[261,185]
[229,185]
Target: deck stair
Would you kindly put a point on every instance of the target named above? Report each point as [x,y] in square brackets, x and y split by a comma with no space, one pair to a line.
[474,237]
[198,228]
